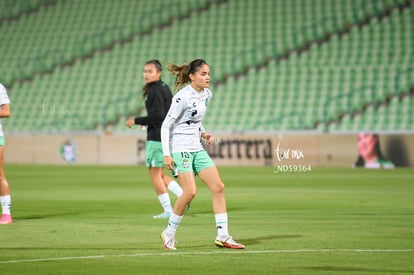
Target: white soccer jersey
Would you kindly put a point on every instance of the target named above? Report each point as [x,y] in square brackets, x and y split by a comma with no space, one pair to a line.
[182,126]
[4,99]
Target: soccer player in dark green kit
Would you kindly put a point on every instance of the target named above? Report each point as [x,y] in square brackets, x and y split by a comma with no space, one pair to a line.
[157,97]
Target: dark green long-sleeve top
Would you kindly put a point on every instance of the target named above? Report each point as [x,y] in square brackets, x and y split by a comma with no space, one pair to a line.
[157,104]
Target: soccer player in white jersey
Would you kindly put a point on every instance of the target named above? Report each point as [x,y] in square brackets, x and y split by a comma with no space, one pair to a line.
[182,130]
[5,198]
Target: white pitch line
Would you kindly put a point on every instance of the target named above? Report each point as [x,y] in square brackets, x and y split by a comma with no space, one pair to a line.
[173,253]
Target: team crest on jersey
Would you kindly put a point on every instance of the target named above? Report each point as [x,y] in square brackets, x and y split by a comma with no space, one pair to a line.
[186,164]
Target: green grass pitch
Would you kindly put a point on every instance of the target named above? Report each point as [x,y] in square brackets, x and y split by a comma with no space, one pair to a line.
[98,220]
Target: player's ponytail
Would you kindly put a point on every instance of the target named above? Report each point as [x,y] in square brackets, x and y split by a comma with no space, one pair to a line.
[182,73]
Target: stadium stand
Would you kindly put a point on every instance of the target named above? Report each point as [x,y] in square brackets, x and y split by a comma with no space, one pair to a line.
[12,10]
[322,65]
[89,82]
[59,34]
[342,75]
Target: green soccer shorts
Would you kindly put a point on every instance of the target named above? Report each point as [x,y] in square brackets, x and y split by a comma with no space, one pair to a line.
[192,161]
[153,154]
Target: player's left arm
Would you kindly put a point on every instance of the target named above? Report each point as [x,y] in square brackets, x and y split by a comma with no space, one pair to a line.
[206,137]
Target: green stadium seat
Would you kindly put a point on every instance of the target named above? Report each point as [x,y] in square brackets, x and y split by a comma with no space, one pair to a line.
[231,36]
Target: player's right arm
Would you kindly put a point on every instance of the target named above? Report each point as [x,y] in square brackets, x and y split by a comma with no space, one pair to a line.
[176,109]
[165,141]
[155,109]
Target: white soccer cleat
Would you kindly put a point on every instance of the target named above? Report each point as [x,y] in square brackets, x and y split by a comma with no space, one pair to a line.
[228,242]
[169,241]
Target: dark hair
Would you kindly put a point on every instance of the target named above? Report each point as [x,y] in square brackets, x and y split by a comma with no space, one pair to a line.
[158,67]
[377,149]
[182,73]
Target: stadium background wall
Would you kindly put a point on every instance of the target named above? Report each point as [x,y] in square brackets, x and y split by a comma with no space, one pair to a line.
[235,149]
